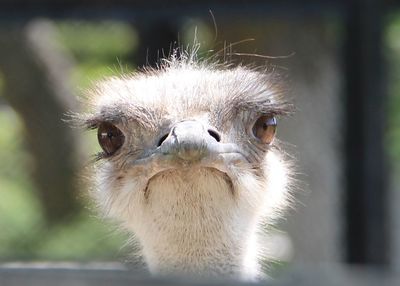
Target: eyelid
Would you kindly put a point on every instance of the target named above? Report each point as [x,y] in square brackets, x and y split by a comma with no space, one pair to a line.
[93,123]
[268,108]
[250,117]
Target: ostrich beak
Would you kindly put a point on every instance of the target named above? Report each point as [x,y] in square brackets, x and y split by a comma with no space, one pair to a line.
[191,141]
[188,140]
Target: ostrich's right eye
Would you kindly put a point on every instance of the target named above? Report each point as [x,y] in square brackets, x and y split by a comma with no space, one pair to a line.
[265,128]
[110,138]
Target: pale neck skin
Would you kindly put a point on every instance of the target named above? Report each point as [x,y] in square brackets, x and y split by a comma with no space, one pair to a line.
[198,229]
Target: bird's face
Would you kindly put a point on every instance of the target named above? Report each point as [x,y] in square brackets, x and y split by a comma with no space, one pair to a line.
[188,147]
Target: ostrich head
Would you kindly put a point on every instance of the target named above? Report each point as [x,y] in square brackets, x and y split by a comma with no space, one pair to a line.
[190,164]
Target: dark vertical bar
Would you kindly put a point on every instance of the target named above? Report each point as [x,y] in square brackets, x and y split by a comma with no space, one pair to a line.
[367,233]
[157,39]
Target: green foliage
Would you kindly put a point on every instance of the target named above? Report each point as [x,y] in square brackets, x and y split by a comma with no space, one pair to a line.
[100,42]
[84,239]
[20,219]
[12,149]
[87,73]
[392,50]
[99,49]
[23,233]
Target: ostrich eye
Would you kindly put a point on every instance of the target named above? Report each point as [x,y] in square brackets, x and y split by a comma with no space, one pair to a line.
[265,129]
[110,138]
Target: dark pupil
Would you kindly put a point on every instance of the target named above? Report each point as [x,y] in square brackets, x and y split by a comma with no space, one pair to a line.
[110,138]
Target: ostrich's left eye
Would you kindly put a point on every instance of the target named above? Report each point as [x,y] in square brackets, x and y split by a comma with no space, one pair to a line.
[265,128]
[110,138]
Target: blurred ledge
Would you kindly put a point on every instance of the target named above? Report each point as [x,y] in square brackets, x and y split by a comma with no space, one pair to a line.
[99,274]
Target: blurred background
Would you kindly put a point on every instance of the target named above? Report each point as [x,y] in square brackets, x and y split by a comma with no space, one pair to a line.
[341,60]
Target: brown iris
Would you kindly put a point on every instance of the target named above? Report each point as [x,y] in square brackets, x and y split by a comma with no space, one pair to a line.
[265,128]
[110,138]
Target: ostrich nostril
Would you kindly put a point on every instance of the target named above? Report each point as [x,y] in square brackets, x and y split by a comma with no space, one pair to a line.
[214,134]
[162,139]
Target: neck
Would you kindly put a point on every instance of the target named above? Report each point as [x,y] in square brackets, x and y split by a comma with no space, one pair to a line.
[197,229]
[202,250]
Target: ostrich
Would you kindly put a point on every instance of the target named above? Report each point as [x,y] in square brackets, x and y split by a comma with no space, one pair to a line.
[189,163]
